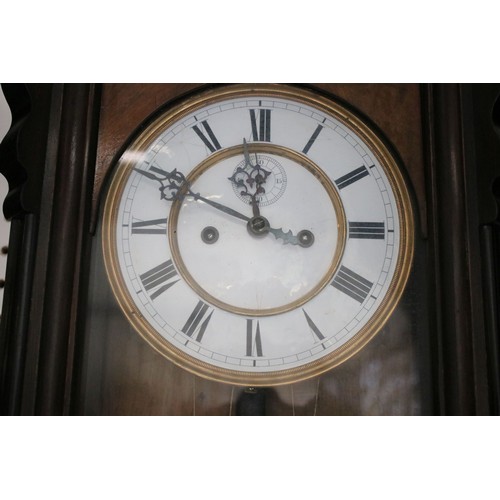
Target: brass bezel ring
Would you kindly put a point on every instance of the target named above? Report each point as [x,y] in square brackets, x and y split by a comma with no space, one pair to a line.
[310,369]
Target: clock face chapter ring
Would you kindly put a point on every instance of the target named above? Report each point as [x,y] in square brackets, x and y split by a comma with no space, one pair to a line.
[257,234]
[254,263]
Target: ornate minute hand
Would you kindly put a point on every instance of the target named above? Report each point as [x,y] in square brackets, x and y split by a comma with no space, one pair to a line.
[178,188]
[174,186]
[218,206]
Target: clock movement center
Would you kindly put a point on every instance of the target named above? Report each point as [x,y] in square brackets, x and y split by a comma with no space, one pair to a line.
[258,226]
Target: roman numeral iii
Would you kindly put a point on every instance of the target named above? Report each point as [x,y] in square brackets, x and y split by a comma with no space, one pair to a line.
[367,230]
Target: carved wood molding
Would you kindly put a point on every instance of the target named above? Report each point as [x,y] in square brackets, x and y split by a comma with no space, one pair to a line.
[22,156]
[52,195]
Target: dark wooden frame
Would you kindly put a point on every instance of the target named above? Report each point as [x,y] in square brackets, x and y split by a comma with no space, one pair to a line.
[48,158]
[40,315]
[459,352]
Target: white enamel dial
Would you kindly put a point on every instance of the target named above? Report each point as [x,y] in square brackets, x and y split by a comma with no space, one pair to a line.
[257,235]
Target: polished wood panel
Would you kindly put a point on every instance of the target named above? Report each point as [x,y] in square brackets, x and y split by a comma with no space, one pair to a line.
[460,347]
[124,107]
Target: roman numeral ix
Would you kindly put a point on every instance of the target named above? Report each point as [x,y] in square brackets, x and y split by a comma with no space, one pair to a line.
[159,279]
[154,226]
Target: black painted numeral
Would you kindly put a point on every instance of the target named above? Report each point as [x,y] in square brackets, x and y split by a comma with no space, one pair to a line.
[351,177]
[367,230]
[159,279]
[314,329]
[261,127]
[254,340]
[307,147]
[352,284]
[208,137]
[198,321]
[154,226]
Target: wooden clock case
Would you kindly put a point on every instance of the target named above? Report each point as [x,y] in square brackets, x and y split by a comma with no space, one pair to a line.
[65,348]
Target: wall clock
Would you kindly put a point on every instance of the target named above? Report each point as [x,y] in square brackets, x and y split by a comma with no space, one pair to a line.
[257,234]
[254,236]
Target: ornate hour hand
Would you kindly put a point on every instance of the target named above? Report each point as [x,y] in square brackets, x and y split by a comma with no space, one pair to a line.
[174,186]
[250,179]
[259,226]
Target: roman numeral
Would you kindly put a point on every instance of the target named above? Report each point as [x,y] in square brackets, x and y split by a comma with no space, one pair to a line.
[198,321]
[367,230]
[159,278]
[313,327]
[209,139]
[307,147]
[154,226]
[352,284]
[351,177]
[261,131]
[254,340]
